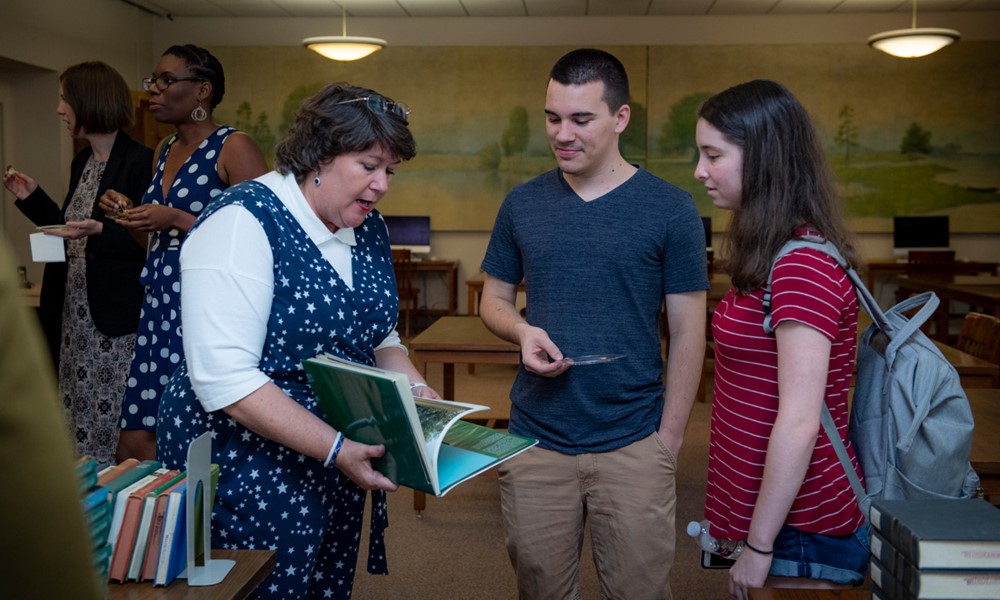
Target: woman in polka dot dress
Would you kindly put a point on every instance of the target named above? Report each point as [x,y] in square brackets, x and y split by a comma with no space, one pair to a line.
[193,167]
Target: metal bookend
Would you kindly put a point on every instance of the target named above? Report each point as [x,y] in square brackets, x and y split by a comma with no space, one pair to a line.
[200,478]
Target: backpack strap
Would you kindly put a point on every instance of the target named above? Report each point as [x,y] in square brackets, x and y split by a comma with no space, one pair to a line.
[826,420]
[867,301]
[865,298]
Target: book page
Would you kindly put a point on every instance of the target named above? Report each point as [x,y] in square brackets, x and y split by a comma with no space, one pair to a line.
[436,417]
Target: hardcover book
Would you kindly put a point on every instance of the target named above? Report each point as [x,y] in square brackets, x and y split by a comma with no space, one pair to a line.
[152,555]
[940,584]
[935,533]
[173,544]
[145,528]
[428,445]
[121,555]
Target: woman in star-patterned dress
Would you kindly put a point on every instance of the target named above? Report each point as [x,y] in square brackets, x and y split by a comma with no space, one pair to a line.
[276,270]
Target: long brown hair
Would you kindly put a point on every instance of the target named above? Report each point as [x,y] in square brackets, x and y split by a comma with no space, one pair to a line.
[786,180]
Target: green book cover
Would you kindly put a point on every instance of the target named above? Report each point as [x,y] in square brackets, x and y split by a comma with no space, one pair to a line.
[428,447]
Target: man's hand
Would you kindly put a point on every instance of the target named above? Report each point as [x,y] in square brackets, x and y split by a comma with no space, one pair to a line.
[539,354]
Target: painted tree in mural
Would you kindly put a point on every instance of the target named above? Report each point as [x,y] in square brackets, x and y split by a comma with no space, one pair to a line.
[259,129]
[633,140]
[515,138]
[916,140]
[847,132]
[677,135]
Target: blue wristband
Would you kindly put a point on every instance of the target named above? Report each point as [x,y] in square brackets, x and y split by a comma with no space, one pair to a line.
[331,458]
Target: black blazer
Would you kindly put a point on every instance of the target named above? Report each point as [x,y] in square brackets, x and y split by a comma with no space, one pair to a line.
[114,258]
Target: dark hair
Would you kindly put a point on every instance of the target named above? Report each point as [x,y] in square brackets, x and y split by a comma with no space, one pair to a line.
[325,128]
[786,180]
[202,64]
[589,64]
[99,97]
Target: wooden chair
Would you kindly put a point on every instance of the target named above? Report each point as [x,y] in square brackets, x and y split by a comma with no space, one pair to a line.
[402,264]
[980,337]
[938,265]
[931,264]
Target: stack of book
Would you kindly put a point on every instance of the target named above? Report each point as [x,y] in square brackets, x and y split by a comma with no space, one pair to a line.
[96,512]
[935,548]
[147,529]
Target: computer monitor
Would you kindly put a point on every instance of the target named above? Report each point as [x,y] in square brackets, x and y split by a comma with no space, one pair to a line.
[409,232]
[926,232]
[706,222]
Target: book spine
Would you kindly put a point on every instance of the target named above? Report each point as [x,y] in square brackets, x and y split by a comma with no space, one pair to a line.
[896,534]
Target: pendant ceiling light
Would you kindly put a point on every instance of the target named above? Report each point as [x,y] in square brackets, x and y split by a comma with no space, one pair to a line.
[915,41]
[344,47]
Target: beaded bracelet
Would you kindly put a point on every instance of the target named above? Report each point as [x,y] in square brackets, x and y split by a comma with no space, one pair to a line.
[746,543]
[331,458]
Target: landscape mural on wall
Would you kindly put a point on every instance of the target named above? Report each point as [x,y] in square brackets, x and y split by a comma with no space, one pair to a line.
[918,136]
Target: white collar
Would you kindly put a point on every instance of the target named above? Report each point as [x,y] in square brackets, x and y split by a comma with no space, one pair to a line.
[290,194]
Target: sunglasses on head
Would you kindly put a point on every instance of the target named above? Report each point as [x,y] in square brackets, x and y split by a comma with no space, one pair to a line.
[378,104]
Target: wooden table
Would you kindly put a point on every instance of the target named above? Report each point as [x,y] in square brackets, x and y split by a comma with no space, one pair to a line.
[892,266]
[32,296]
[451,340]
[973,372]
[251,568]
[985,454]
[799,594]
[450,270]
[980,291]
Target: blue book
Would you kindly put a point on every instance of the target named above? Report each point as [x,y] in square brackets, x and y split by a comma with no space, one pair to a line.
[173,544]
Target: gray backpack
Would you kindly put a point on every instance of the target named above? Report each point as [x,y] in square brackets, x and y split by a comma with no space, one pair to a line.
[911,424]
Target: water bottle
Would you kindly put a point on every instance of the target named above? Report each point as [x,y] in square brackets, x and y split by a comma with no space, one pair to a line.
[730,549]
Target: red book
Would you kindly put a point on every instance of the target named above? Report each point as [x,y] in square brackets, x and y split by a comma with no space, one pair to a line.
[130,526]
[152,556]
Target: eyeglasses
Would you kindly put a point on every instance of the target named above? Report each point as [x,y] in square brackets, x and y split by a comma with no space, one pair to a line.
[378,104]
[163,82]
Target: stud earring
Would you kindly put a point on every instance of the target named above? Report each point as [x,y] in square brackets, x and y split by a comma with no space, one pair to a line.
[316,179]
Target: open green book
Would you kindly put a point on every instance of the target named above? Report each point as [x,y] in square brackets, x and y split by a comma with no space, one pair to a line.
[428,447]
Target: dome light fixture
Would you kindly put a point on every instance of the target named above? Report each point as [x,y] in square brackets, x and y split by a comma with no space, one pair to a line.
[344,47]
[915,41]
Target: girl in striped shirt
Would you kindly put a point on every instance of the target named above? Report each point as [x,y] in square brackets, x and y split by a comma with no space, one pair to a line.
[773,479]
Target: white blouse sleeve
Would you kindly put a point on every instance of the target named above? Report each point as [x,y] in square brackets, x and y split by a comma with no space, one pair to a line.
[227,286]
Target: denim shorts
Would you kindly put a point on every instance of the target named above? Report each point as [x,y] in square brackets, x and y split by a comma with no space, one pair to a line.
[838,558]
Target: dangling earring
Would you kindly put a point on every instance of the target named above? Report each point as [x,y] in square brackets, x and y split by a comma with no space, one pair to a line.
[199,113]
[316,179]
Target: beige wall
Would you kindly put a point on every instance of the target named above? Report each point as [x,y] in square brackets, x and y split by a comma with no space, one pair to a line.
[39,38]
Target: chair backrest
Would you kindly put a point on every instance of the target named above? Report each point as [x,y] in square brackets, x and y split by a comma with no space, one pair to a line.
[402,264]
[980,337]
[931,264]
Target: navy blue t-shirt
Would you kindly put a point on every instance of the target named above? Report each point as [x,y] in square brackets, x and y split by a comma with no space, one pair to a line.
[595,274]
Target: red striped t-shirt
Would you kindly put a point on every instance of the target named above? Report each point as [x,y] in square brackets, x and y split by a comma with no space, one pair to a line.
[808,287]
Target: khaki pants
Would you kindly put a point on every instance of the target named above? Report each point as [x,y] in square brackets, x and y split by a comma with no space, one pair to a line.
[627,495]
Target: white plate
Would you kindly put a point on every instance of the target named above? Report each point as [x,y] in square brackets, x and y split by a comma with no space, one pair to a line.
[593,359]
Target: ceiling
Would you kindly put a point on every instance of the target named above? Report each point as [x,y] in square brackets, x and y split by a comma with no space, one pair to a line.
[542,8]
